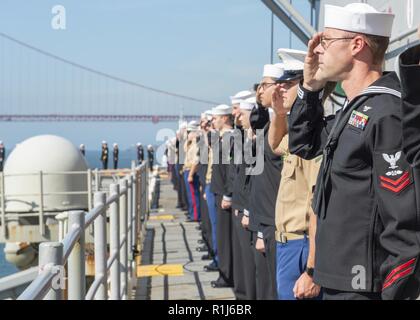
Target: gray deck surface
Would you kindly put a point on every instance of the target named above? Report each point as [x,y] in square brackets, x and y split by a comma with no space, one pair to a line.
[174,242]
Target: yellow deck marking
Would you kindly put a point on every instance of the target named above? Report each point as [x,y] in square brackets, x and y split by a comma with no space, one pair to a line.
[162,217]
[160,270]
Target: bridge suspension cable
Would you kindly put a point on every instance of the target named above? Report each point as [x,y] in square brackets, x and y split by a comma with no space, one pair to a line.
[103,74]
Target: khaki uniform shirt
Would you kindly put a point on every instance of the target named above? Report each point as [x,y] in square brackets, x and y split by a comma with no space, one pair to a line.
[209,167]
[293,205]
[191,154]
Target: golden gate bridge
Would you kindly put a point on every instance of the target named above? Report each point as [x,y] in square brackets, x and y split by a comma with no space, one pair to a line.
[38,86]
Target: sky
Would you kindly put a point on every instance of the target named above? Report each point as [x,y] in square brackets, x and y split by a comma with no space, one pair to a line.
[204,49]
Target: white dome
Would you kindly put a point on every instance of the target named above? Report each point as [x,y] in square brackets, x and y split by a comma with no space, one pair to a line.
[49,154]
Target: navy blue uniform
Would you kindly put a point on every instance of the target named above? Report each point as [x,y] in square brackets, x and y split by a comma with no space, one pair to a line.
[368,234]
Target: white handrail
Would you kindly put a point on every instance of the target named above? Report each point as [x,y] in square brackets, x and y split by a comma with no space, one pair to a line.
[125,210]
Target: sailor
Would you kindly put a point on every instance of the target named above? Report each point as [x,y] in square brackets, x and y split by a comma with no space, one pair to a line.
[295,221]
[205,224]
[237,171]
[221,187]
[82,149]
[140,153]
[244,264]
[115,155]
[104,155]
[236,100]
[180,155]
[409,70]
[171,158]
[263,194]
[2,155]
[210,197]
[190,172]
[367,237]
[150,156]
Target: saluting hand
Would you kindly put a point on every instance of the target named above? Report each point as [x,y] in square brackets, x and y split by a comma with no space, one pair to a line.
[311,77]
[277,101]
[305,288]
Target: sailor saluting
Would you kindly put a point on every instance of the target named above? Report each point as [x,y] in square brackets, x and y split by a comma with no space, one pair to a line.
[368,235]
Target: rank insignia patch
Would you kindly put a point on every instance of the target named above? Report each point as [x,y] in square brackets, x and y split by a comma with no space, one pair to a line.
[358,120]
[396,185]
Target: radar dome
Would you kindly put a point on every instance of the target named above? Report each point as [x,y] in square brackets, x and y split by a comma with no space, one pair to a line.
[53,156]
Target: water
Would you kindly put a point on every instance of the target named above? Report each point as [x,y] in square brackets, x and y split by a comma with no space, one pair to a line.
[93,159]
[6,268]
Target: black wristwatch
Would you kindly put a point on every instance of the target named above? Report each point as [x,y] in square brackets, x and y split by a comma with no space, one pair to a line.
[310,271]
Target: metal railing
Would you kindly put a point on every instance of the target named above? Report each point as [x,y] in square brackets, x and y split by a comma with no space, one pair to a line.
[40,213]
[93,184]
[127,202]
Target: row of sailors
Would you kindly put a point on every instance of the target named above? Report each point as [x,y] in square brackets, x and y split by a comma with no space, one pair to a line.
[334,212]
[250,222]
[115,154]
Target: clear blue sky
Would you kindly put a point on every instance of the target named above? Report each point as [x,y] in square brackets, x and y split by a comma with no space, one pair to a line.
[200,48]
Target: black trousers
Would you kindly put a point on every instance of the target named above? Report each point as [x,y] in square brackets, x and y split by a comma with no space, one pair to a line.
[331,294]
[262,278]
[245,239]
[183,192]
[115,164]
[271,258]
[224,241]
[105,164]
[205,221]
[177,186]
[173,176]
[244,266]
[239,281]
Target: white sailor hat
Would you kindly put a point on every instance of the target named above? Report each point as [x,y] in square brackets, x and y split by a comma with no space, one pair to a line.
[248,104]
[1,142]
[149,146]
[240,96]
[293,61]
[208,115]
[103,142]
[221,110]
[115,144]
[359,18]
[81,145]
[183,125]
[138,144]
[193,126]
[273,70]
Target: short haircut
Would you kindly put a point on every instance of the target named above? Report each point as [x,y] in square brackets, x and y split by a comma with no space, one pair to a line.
[377,44]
